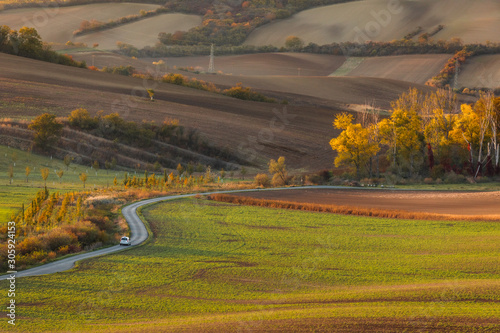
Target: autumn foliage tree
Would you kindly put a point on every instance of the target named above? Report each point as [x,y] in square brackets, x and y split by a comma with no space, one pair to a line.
[47,130]
[353,145]
[279,171]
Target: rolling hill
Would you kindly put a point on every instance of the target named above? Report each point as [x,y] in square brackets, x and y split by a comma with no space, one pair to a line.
[481,71]
[381,20]
[410,68]
[57,24]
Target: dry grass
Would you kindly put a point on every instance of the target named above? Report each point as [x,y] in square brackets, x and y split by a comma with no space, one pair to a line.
[347,210]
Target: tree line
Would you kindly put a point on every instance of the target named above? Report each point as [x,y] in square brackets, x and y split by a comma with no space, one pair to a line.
[425,136]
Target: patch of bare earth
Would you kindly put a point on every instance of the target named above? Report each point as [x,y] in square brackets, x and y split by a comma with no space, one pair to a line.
[467,204]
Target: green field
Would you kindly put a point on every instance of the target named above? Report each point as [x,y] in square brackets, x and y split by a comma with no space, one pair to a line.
[12,196]
[218,267]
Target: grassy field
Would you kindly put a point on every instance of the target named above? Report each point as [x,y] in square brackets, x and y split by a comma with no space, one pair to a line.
[219,267]
[12,196]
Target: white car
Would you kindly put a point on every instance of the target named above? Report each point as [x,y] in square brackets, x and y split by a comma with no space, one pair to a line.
[125,241]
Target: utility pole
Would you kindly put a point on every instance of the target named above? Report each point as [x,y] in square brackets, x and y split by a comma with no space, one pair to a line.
[211,67]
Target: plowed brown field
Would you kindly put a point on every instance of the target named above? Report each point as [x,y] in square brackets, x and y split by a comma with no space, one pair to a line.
[449,203]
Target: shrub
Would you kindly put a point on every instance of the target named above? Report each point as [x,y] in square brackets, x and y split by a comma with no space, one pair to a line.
[30,244]
[57,238]
[277,180]
[262,179]
[453,178]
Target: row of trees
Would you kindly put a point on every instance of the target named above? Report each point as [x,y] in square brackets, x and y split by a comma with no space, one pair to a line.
[425,135]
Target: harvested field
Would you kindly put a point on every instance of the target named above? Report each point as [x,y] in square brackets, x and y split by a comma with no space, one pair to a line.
[481,72]
[301,134]
[382,20]
[264,64]
[57,24]
[409,68]
[466,204]
[141,33]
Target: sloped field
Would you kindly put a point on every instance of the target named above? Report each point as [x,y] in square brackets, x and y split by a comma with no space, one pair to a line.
[264,64]
[57,24]
[481,72]
[382,20]
[409,68]
[141,33]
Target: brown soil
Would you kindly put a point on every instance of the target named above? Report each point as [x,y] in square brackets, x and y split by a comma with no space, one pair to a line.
[263,64]
[382,20]
[452,203]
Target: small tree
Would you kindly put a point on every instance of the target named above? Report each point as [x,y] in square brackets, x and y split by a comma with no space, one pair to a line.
[10,173]
[14,158]
[83,178]
[59,174]
[180,169]
[28,171]
[151,94]
[45,174]
[95,165]
[278,170]
[294,43]
[67,161]
[47,130]
[243,172]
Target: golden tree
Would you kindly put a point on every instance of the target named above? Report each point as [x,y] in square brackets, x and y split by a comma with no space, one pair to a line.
[353,145]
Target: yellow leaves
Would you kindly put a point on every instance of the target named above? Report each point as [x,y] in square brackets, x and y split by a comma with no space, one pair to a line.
[353,145]
[343,120]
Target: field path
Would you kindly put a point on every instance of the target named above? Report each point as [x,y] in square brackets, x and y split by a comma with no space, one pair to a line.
[139,233]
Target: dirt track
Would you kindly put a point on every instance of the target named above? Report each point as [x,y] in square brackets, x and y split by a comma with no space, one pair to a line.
[440,202]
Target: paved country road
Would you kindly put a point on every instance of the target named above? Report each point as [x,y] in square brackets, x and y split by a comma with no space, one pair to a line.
[138,232]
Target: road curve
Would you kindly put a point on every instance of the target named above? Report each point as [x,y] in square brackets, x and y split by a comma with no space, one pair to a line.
[138,231]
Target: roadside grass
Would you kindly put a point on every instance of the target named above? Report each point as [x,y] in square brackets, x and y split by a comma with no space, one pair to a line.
[216,266]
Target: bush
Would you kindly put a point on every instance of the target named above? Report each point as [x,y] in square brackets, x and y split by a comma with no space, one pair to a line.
[453,178]
[277,181]
[30,244]
[262,179]
[437,172]
[86,232]
[57,238]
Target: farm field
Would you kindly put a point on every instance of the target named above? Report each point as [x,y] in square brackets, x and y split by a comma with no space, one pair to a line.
[219,267]
[481,71]
[263,64]
[380,20]
[29,86]
[451,203]
[409,68]
[57,24]
[141,33]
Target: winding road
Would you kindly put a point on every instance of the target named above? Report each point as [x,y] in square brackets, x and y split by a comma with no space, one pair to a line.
[138,231]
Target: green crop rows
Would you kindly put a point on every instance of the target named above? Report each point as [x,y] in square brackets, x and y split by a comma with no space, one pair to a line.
[213,263]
